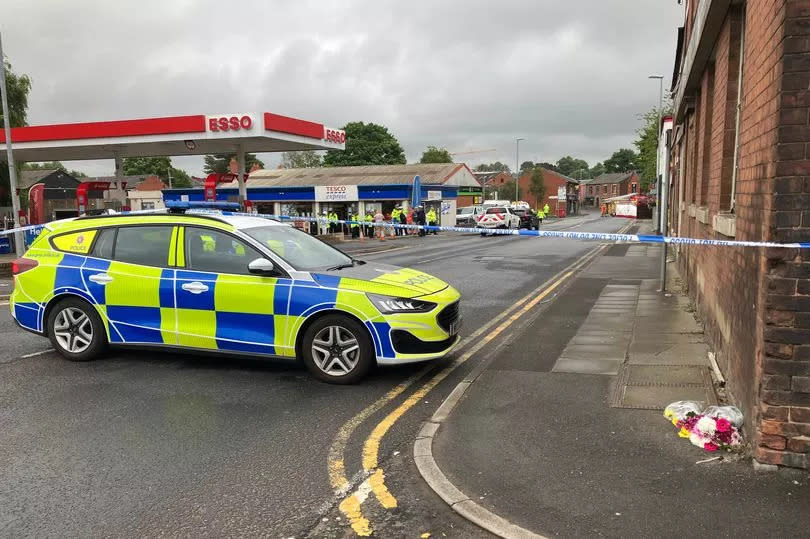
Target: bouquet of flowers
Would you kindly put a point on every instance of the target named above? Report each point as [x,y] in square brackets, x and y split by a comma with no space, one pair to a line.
[716,427]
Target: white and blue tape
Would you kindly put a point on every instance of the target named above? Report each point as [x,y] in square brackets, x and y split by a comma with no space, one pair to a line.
[583,236]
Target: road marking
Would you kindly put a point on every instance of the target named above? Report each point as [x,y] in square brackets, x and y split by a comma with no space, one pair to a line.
[26,356]
[351,507]
[4,302]
[335,463]
[378,251]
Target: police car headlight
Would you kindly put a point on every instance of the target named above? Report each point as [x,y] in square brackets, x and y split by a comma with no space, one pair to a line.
[392,305]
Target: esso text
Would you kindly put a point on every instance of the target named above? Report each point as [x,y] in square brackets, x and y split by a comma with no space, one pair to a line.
[229,123]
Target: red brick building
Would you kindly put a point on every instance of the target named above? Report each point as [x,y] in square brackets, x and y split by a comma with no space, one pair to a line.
[610,185]
[553,181]
[740,169]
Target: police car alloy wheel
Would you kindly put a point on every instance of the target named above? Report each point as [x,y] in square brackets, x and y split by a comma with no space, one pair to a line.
[75,330]
[337,349]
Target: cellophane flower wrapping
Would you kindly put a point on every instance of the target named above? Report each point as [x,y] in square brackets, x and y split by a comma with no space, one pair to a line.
[715,428]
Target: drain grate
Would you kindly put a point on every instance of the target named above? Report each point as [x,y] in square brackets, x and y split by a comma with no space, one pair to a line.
[652,387]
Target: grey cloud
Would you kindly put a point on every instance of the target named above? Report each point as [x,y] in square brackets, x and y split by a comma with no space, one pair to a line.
[569,76]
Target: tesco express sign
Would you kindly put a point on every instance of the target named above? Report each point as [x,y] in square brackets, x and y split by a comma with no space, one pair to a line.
[335,193]
[229,122]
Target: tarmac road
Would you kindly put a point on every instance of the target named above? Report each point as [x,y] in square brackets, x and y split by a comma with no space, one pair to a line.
[151,443]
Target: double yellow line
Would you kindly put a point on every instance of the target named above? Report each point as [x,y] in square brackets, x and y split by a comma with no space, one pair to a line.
[373,475]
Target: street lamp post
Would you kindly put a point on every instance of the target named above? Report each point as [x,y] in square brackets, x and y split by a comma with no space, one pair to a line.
[12,172]
[517,167]
[658,186]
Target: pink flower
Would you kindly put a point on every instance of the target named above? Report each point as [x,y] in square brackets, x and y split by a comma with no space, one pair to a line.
[710,447]
[723,425]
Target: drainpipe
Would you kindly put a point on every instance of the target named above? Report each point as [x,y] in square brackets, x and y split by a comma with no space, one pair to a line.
[736,164]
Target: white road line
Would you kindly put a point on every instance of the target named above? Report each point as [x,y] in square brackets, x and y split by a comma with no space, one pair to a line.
[3,302]
[26,356]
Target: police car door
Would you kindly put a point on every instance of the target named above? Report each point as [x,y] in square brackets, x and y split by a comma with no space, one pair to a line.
[220,304]
[137,283]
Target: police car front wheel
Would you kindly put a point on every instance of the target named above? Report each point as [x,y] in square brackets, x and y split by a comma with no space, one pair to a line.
[75,330]
[337,349]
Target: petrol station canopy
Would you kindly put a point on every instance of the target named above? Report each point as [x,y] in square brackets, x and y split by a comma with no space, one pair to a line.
[170,136]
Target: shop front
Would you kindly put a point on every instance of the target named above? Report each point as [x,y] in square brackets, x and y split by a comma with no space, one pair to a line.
[341,201]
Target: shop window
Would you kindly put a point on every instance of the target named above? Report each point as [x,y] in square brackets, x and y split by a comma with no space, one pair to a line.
[147,205]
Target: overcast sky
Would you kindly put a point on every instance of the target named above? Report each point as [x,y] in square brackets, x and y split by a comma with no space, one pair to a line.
[568,76]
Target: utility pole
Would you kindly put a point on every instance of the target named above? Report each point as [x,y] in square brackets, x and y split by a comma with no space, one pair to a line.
[19,245]
[658,151]
[517,167]
[170,177]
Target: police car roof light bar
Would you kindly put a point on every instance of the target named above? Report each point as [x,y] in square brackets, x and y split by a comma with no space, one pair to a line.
[181,206]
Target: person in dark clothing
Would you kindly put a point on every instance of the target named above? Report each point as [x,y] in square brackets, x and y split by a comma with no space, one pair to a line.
[421,219]
[403,220]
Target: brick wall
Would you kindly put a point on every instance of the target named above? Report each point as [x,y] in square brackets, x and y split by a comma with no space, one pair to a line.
[552,180]
[784,430]
[756,303]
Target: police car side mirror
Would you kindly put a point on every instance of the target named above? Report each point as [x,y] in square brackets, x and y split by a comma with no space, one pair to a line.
[262,266]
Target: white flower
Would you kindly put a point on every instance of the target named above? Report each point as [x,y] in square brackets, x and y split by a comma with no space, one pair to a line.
[706,426]
[698,440]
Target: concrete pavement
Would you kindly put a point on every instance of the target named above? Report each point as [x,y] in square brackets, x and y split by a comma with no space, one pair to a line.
[561,432]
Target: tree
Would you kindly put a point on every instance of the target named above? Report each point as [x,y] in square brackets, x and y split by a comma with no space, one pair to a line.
[181,178]
[52,165]
[221,162]
[647,145]
[570,166]
[156,166]
[597,170]
[623,160]
[302,159]
[366,144]
[18,88]
[526,166]
[46,165]
[436,155]
[537,185]
[506,190]
[497,166]
[548,166]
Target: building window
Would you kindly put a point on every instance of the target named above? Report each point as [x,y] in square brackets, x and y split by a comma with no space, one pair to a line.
[615,189]
[147,205]
[633,187]
[604,189]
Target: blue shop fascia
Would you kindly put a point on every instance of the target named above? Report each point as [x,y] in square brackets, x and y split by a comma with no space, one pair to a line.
[302,201]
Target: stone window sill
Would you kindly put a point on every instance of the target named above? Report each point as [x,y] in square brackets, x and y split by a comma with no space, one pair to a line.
[702,215]
[725,224]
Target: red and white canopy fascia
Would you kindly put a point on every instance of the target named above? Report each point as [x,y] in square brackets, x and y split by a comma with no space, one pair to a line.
[172,136]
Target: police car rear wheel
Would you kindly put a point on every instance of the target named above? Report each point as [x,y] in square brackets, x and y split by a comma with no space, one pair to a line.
[75,330]
[337,350]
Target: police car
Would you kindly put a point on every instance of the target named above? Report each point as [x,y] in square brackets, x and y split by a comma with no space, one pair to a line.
[225,283]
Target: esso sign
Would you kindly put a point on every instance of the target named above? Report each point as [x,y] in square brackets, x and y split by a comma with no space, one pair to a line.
[229,123]
[333,135]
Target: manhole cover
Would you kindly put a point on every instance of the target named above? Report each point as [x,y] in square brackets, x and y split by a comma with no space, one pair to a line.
[652,387]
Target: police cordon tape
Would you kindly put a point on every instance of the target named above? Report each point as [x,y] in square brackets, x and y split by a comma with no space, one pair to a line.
[583,236]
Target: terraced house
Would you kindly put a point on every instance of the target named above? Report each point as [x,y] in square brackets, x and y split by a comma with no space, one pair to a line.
[740,169]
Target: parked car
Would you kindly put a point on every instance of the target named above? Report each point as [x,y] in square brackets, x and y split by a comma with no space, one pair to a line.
[498,217]
[528,219]
[468,216]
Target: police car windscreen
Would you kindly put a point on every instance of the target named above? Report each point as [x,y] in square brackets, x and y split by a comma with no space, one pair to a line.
[299,249]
